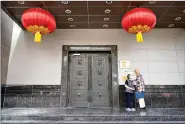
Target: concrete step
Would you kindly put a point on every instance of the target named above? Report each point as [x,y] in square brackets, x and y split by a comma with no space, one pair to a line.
[61,116]
[93,118]
[94,122]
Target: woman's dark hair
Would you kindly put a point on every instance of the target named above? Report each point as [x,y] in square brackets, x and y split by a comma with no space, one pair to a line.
[128,76]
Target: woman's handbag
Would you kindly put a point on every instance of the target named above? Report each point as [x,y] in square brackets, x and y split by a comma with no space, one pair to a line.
[139,95]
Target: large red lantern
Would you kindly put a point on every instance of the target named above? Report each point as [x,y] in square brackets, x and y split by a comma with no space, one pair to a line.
[39,22]
[138,21]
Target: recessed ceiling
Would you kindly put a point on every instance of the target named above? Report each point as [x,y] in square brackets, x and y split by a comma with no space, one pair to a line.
[100,14]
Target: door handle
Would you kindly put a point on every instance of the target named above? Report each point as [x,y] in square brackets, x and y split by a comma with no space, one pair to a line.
[79,94]
[99,94]
[100,83]
[79,83]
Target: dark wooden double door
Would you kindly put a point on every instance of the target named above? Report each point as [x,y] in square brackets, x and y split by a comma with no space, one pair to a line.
[89,80]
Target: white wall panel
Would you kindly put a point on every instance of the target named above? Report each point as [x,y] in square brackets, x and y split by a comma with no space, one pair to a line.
[164,79]
[181,79]
[180,55]
[140,65]
[181,66]
[161,53]
[163,67]
[132,55]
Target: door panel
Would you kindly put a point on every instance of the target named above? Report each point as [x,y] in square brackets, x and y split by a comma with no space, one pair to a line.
[79,73]
[78,81]
[100,95]
[78,95]
[78,84]
[80,61]
[100,84]
[100,81]
[88,81]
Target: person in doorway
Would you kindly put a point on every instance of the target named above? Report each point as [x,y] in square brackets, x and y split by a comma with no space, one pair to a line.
[129,94]
[140,88]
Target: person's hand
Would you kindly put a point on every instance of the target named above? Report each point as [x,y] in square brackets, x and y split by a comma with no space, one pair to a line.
[132,88]
[140,89]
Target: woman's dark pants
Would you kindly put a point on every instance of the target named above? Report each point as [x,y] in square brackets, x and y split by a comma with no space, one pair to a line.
[130,100]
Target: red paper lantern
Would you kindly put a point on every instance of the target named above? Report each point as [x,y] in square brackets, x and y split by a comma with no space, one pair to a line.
[39,22]
[138,21]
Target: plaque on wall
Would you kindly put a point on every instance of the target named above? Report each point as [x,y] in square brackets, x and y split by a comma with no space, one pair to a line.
[124,64]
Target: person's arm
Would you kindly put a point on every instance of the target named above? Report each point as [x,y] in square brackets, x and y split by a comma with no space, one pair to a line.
[135,85]
[126,86]
[129,87]
[139,88]
[142,82]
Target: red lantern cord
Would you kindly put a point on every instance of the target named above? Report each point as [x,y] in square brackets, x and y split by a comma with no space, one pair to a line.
[138,21]
[39,22]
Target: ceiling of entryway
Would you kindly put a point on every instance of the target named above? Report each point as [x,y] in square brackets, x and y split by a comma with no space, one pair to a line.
[99,14]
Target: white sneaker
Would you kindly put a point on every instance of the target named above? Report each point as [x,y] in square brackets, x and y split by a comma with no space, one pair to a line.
[128,109]
[133,109]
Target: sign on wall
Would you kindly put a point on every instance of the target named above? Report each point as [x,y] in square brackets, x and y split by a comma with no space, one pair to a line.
[125,69]
[124,64]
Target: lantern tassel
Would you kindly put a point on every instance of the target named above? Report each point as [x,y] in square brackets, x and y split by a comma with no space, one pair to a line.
[37,37]
[139,37]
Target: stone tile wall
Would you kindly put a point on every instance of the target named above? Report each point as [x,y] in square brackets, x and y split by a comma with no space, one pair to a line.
[48,96]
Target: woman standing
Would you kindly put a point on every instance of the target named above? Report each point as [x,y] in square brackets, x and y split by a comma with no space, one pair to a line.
[129,94]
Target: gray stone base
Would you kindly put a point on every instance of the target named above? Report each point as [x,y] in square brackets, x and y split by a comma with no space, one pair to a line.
[48,96]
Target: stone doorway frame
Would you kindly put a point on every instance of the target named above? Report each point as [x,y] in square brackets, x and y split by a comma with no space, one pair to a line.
[65,64]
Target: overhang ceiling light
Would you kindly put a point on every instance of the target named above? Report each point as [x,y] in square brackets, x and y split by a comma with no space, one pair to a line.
[106,19]
[70,19]
[65,2]
[183,11]
[107,11]
[108,2]
[67,11]
[178,18]
[105,26]
[20,2]
[171,25]
[72,26]
[152,2]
